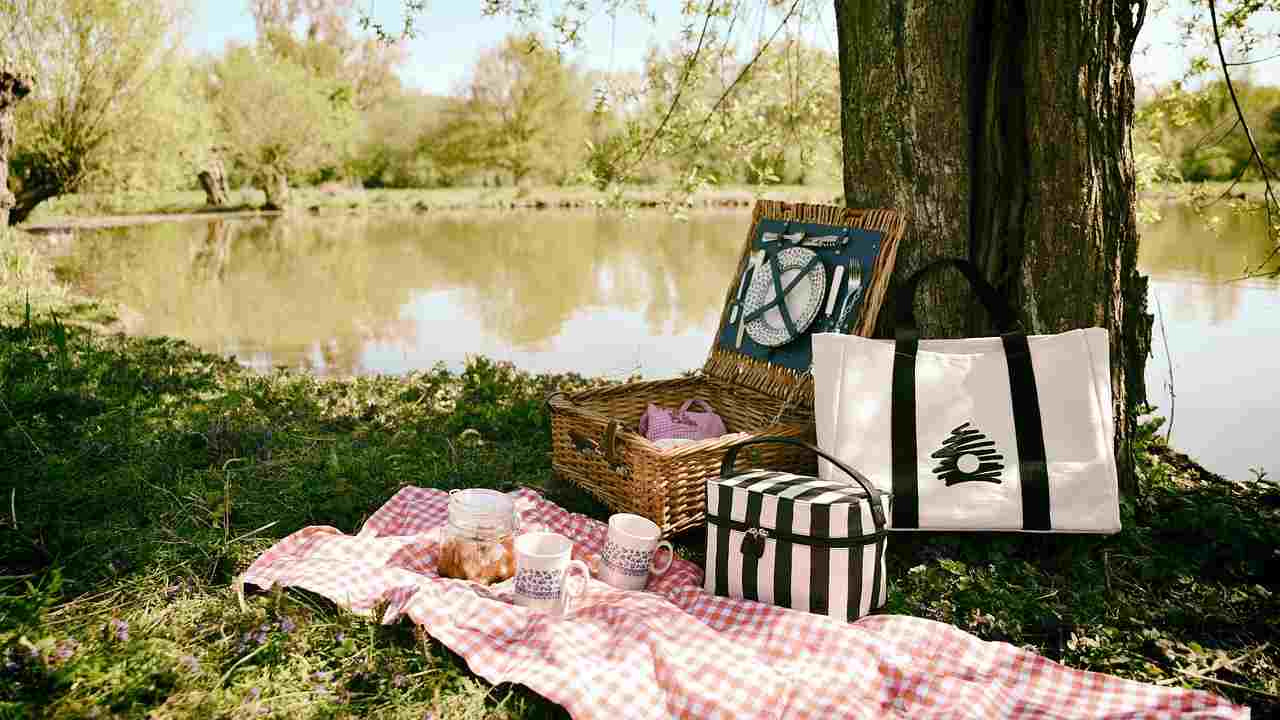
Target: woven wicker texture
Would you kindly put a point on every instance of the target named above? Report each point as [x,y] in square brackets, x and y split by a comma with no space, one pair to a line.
[593,433]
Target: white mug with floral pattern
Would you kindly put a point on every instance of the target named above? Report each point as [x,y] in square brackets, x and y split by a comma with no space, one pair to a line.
[630,552]
[544,561]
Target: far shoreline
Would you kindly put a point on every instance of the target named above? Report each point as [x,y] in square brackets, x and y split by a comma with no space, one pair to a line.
[110,210]
[97,211]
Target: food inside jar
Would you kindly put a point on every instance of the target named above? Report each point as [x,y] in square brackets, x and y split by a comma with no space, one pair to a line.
[483,561]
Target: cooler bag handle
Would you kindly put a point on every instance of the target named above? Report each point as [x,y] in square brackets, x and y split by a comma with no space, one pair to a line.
[877,512]
[1004,318]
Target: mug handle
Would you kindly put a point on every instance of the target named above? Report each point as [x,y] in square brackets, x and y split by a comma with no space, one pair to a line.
[586,577]
[671,558]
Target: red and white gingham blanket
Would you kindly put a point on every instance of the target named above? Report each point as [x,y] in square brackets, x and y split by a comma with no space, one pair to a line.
[676,651]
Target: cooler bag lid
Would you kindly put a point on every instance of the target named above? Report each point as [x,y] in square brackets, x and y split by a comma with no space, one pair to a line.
[798,508]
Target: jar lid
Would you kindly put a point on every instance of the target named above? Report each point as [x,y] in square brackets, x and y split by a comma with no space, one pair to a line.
[481,510]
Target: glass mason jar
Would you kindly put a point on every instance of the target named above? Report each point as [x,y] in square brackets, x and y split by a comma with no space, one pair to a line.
[477,541]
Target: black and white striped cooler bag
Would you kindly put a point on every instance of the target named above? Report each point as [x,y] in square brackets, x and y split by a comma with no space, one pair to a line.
[796,541]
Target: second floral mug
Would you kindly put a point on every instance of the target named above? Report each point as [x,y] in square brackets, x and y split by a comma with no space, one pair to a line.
[630,552]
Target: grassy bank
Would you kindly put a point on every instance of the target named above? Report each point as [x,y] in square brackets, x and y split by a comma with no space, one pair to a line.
[139,476]
[70,208]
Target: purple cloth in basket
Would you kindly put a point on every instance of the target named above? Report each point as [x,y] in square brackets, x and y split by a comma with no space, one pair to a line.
[661,424]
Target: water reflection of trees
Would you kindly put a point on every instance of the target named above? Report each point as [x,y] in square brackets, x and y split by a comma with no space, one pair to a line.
[316,291]
[1193,260]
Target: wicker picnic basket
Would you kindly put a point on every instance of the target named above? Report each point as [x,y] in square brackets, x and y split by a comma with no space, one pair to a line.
[595,443]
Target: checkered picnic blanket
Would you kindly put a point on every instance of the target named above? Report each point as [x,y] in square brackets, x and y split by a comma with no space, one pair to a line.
[676,651]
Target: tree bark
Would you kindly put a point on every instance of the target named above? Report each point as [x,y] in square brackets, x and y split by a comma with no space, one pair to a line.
[276,186]
[1002,127]
[213,179]
[14,85]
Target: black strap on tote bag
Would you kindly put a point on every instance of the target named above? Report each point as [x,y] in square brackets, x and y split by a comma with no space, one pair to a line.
[1032,467]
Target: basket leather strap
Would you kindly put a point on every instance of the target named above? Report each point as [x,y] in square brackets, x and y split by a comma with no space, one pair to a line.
[607,442]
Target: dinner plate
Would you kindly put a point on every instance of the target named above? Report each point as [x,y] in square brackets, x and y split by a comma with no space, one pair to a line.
[802,303]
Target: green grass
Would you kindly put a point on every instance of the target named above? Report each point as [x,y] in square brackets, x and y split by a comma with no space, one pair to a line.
[139,476]
[71,207]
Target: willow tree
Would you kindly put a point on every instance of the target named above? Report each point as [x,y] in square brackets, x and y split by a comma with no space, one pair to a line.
[1002,127]
[111,98]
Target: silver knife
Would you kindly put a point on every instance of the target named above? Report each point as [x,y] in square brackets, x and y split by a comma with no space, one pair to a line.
[836,276]
[756,259]
[742,292]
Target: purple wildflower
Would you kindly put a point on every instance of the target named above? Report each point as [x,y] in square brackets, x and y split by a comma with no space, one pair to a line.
[287,625]
[65,649]
[254,692]
[119,628]
[260,637]
[33,653]
[340,637]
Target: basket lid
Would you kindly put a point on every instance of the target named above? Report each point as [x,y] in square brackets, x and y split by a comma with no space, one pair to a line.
[804,268]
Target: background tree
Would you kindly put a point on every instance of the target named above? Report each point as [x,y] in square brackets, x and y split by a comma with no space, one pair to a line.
[278,120]
[317,34]
[770,117]
[1198,134]
[15,84]
[524,112]
[396,149]
[109,89]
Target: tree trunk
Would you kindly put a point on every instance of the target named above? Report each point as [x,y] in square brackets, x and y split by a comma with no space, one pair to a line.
[214,181]
[276,186]
[1002,128]
[14,86]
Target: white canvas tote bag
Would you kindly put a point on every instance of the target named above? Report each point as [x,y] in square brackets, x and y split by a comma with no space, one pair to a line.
[1013,432]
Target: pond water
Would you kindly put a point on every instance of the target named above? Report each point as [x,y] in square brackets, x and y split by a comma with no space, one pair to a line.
[607,295]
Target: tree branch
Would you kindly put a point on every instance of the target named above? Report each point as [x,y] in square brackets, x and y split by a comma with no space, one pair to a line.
[684,80]
[747,68]
[1269,196]
[1254,62]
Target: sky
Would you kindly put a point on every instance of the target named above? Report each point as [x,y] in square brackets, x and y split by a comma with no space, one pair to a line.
[452,33]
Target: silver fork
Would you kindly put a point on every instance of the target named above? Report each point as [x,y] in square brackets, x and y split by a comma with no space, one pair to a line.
[853,294]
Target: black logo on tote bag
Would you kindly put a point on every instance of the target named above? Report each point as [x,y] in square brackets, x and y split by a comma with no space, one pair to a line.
[968,456]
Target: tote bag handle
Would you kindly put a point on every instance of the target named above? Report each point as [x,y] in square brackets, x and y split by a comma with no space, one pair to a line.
[877,512]
[1028,426]
[1005,320]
